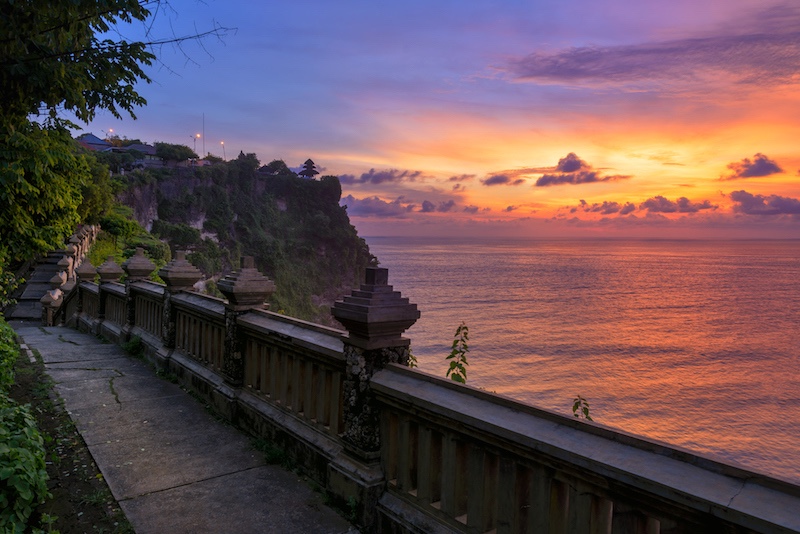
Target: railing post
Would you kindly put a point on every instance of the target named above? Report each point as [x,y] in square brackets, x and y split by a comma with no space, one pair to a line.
[178,275]
[375,317]
[84,273]
[109,271]
[245,289]
[138,267]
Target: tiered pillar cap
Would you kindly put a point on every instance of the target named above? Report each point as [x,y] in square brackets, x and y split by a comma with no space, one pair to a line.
[179,274]
[138,266]
[376,316]
[247,287]
[86,271]
[109,271]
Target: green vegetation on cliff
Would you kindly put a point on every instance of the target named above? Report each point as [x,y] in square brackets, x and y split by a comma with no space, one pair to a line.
[294,227]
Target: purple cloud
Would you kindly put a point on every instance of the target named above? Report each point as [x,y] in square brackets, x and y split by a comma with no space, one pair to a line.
[750,204]
[502,179]
[758,56]
[471,209]
[660,204]
[573,170]
[442,207]
[461,178]
[571,163]
[605,208]
[375,207]
[378,177]
[761,165]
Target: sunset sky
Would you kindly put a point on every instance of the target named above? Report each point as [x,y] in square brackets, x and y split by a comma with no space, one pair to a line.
[512,118]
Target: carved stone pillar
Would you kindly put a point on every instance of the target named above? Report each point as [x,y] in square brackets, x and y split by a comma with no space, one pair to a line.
[375,317]
[245,289]
[109,271]
[85,273]
[138,267]
[178,275]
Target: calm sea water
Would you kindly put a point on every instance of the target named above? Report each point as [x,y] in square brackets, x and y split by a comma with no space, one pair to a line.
[696,343]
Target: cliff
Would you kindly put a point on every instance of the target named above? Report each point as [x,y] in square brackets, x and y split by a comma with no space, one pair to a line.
[294,227]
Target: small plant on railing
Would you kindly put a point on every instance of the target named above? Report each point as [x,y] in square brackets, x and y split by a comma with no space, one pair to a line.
[580,408]
[412,360]
[458,355]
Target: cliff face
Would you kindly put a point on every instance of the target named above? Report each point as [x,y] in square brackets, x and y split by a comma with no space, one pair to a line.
[294,227]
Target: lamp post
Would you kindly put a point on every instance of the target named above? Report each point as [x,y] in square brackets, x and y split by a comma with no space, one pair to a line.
[223,150]
[195,137]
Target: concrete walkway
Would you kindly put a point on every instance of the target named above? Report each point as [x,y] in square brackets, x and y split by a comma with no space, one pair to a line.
[171,466]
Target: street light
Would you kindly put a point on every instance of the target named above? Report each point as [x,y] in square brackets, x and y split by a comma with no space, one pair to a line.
[223,150]
[195,137]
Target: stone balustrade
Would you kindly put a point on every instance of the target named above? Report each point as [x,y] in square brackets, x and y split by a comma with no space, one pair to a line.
[479,462]
[412,452]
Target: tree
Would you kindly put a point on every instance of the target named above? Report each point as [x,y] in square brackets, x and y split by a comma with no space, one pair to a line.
[309,169]
[170,152]
[276,167]
[51,59]
[57,57]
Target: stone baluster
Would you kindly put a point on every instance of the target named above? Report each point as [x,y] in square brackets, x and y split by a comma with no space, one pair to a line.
[178,275]
[375,317]
[245,290]
[80,248]
[50,303]
[109,272]
[58,279]
[138,267]
[85,273]
[68,261]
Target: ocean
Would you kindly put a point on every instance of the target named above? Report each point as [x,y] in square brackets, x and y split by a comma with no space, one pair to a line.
[695,343]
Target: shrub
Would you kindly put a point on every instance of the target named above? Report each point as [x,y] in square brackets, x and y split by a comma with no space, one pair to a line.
[23,477]
[8,355]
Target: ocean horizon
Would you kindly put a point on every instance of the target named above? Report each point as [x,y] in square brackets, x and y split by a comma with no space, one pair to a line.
[690,342]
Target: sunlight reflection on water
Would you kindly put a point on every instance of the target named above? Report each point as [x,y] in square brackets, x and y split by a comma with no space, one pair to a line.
[689,342]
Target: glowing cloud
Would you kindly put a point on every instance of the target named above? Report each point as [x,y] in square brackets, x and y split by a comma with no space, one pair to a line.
[750,204]
[761,165]
[660,204]
[502,179]
[764,55]
[573,170]
[378,177]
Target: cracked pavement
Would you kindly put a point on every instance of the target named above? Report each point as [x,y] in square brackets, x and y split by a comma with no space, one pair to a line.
[170,464]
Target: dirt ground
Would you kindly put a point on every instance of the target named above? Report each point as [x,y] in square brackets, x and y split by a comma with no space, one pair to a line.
[81,501]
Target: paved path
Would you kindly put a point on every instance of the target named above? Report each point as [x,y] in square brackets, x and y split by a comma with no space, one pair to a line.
[171,465]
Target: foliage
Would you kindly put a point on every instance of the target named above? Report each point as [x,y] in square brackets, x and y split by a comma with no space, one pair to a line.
[171,152]
[53,60]
[53,56]
[298,233]
[181,236]
[119,226]
[276,167]
[40,188]
[8,355]
[119,161]
[580,408]
[97,196]
[458,355]
[23,478]
[412,359]
[8,282]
